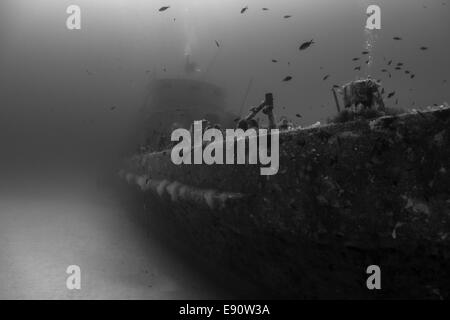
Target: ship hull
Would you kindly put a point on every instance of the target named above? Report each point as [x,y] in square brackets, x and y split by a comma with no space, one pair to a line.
[346,196]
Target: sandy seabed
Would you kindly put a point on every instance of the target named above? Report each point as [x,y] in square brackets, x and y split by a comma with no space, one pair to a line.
[47,224]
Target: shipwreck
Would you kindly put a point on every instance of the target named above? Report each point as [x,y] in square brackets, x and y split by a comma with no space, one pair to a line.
[346,196]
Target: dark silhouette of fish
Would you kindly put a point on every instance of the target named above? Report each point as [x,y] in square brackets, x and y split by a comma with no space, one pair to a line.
[288,78]
[397,38]
[355,59]
[112,108]
[265,9]
[274,60]
[298,115]
[306,45]
[163,8]
[287,16]
[390,62]
[365,52]
[244,9]
[357,68]
[390,95]
[217,43]
[423,48]
[413,76]
[326,77]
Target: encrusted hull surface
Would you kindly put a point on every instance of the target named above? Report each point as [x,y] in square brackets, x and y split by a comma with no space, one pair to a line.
[346,196]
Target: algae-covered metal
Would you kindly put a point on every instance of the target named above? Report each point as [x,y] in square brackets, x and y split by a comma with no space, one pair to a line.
[346,196]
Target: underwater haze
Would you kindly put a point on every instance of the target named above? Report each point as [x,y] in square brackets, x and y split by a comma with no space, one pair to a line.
[70,101]
[58,85]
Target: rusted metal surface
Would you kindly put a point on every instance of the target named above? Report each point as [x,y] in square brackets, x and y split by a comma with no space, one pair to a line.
[346,196]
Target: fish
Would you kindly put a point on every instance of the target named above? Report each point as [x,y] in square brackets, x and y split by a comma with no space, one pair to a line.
[365,52]
[407,72]
[288,78]
[355,59]
[390,95]
[112,108]
[265,9]
[244,9]
[287,16]
[397,38]
[398,68]
[357,68]
[390,62]
[306,45]
[384,70]
[298,115]
[217,43]
[423,48]
[163,8]
[274,60]
[413,76]
[326,77]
